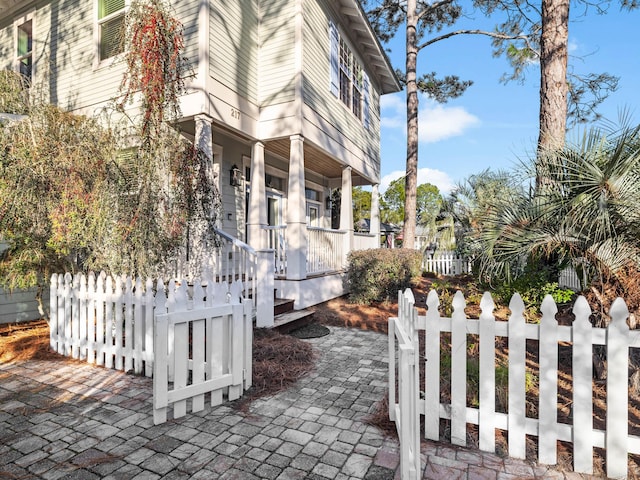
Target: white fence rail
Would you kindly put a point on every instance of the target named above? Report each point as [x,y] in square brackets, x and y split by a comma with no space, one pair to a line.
[109,321]
[446,263]
[616,338]
[200,348]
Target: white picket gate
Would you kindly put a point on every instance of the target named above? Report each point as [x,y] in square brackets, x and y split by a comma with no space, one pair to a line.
[200,348]
[111,323]
[617,339]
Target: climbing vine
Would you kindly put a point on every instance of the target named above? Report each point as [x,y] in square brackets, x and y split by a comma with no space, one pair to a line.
[155,63]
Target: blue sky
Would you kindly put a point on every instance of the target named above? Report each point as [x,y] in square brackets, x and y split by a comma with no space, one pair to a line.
[494,125]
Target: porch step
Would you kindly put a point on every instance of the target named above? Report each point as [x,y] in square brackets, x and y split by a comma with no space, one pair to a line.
[291,320]
[282,305]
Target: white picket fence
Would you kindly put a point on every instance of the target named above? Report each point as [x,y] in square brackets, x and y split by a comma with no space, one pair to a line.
[446,263]
[110,322]
[200,348]
[406,410]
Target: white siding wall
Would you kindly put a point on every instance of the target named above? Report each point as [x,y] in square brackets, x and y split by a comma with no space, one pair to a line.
[233,39]
[65,54]
[18,306]
[276,60]
[6,44]
[316,82]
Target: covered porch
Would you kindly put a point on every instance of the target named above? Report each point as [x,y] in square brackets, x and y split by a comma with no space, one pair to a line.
[309,256]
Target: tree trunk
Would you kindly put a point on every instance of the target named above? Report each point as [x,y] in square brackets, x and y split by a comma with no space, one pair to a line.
[411,179]
[553,74]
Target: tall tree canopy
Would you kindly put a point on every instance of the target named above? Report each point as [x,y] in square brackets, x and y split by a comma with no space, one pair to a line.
[531,34]
[428,203]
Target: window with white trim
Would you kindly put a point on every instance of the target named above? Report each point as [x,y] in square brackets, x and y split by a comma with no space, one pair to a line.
[349,81]
[111,15]
[24,47]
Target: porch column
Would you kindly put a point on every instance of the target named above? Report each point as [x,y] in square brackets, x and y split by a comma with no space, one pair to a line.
[197,257]
[296,212]
[257,214]
[346,212]
[374,222]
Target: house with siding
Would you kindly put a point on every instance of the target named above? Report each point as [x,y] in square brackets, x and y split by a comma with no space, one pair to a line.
[285,100]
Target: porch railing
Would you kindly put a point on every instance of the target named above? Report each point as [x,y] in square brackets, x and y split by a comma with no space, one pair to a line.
[325,250]
[365,241]
[277,241]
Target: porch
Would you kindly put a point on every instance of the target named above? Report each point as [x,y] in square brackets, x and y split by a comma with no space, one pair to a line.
[276,199]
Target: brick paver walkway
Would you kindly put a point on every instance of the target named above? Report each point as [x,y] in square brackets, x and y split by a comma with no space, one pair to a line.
[76,421]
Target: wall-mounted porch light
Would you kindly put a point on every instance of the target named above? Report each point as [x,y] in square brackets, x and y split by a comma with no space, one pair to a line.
[235,176]
[327,203]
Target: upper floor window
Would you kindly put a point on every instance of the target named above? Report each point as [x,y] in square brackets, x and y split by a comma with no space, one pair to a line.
[349,81]
[24,48]
[110,28]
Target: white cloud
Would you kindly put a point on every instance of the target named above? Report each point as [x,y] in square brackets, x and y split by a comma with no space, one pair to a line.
[436,122]
[425,175]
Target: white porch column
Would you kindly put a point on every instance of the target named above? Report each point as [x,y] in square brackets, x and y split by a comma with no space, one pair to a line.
[257,214]
[346,211]
[296,212]
[196,253]
[374,222]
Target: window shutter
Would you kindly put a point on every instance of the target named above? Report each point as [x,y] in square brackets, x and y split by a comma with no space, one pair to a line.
[365,94]
[333,38]
[107,7]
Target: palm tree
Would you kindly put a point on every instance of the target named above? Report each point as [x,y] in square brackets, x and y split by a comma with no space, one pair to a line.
[588,209]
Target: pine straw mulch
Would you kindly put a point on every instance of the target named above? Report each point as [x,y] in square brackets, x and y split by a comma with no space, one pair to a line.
[278,362]
[25,341]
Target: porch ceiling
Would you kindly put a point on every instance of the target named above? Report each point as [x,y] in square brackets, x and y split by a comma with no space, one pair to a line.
[314,160]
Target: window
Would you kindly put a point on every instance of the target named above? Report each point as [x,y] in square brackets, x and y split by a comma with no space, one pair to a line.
[313,215]
[349,81]
[24,48]
[110,28]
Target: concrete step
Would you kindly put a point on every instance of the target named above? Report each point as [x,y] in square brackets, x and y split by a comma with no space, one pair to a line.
[288,321]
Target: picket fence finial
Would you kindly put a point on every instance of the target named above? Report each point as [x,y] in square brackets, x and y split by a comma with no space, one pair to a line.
[516,305]
[459,302]
[433,301]
[619,311]
[486,304]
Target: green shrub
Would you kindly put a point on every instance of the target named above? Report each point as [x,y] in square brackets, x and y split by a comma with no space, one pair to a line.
[377,274]
[533,286]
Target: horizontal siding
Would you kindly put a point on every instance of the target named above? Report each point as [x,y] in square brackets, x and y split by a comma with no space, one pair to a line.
[233,46]
[65,54]
[277,53]
[74,83]
[18,306]
[187,13]
[6,44]
[316,83]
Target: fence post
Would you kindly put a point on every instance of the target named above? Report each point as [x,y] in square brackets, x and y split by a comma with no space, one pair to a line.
[582,388]
[265,286]
[517,379]
[548,399]
[487,394]
[616,442]
[432,368]
[459,371]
